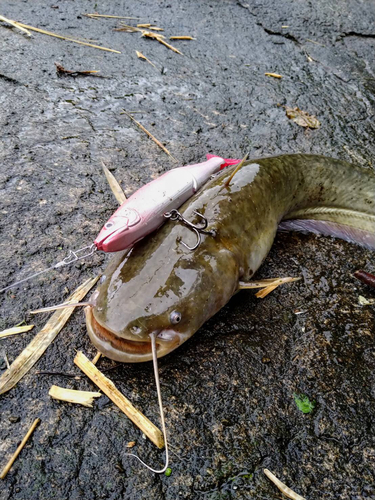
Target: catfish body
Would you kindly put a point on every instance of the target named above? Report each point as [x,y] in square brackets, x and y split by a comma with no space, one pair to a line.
[161,287]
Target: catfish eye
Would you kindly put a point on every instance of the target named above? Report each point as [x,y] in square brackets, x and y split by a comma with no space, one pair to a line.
[175,317]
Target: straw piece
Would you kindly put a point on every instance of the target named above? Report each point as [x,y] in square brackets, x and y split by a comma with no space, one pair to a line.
[15,330]
[114,185]
[96,358]
[64,305]
[263,293]
[141,56]
[49,33]
[111,17]
[274,75]
[127,28]
[15,25]
[109,388]
[282,487]
[143,25]
[160,39]
[227,182]
[84,398]
[150,135]
[30,355]
[268,284]
[18,450]
[181,38]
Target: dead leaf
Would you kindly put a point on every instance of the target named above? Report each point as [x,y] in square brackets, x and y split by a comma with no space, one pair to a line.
[302,118]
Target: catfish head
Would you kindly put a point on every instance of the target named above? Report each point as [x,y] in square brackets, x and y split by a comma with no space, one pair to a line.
[160,287]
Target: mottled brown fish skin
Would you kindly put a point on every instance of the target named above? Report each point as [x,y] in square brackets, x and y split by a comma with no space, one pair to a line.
[160,276]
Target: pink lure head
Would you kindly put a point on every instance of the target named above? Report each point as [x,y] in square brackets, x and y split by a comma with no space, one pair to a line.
[110,238]
[228,161]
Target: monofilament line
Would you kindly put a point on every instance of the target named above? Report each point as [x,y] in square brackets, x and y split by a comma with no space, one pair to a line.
[157,381]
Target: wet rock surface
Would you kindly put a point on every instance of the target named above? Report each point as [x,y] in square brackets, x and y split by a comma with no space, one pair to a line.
[228,392]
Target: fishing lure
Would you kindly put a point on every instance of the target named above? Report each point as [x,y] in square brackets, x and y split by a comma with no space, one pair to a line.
[144,211]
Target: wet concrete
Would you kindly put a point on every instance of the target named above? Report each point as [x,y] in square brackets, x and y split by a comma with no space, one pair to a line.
[228,392]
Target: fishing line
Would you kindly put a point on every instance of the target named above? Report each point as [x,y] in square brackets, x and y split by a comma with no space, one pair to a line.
[157,382]
[72,256]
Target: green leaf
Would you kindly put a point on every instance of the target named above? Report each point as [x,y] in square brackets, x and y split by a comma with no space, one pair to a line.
[303,403]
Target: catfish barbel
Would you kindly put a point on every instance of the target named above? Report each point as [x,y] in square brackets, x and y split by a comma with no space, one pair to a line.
[162,288]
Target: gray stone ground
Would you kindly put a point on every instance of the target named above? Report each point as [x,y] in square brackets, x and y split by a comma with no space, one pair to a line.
[228,392]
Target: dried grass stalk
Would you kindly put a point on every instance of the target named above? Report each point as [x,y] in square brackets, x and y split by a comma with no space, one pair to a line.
[160,39]
[127,28]
[18,450]
[150,135]
[30,355]
[114,185]
[274,75]
[15,330]
[15,25]
[268,285]
[109,388]
[181,38]
[283,487]
[49,33]
[96,358]
[227,182]
[263,293]
[84,398]
[94,15]
[141,56]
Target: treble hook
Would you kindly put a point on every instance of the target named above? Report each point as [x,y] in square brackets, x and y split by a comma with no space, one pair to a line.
[198,229]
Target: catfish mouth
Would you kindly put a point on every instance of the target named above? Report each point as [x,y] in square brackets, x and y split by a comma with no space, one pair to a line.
[122,349]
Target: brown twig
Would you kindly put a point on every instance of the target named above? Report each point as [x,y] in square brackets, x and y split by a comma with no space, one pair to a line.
[61,71]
